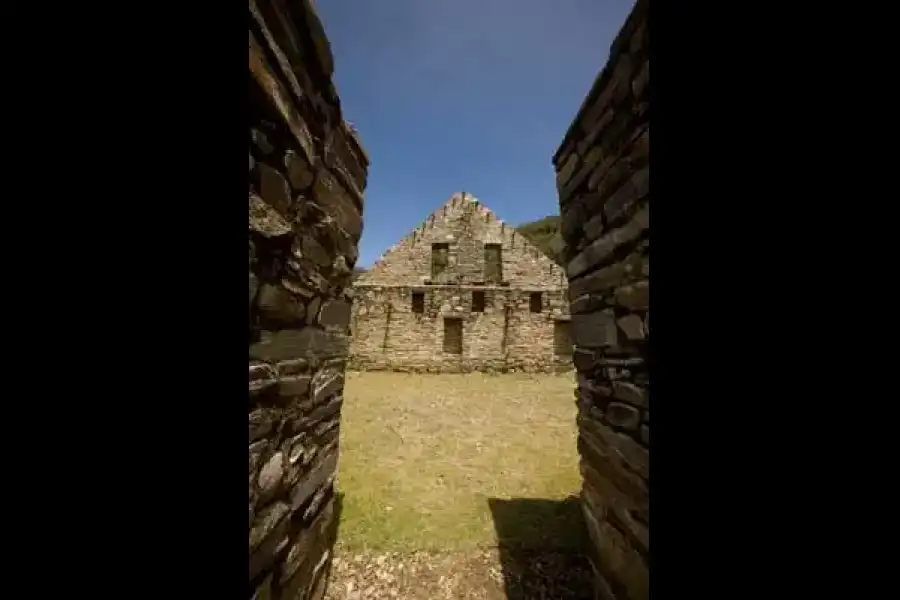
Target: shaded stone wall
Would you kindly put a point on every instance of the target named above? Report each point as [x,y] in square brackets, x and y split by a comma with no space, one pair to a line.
[507,336]
[307,173]
[603,180]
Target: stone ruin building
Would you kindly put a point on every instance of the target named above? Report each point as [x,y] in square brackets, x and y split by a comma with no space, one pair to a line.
[603,177]
[464,291]
[307,175]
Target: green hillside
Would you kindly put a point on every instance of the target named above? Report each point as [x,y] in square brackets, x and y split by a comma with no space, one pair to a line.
[544,233]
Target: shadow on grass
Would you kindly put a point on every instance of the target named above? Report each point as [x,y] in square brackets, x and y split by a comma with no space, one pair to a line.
[541,544]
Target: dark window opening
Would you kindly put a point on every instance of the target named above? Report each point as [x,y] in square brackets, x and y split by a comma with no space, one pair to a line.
[477,301]
[562,338]
[439,258]
[535,302]
[418,302]
[453,335]
[493,263]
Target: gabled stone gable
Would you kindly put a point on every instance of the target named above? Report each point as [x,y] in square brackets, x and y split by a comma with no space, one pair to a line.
[466,225]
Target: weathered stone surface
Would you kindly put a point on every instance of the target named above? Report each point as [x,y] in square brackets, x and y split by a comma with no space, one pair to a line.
[608,270]
[623,415]
[292,366]
[300,173]
[314,251]
[297,385]
[331,406]
[262,422]
[260,140]
[461,263]
[603,497]
[276,303]
[594,227]
[301,255]
[600,249]
[620,449]
[317,476]
[628,195]
[265,220]
[595,330]
[335,200]
[635,296]
[313,310]
[602,280]
[587,303]
[568,168]
[572,221]
[262,377]
[257,449]
[264,590]
[274,188]
[619,561]
[631,393]
[277,96]
[334,313]
[267,522]
[632,326]
[270,476]
[306,342]
[254,286]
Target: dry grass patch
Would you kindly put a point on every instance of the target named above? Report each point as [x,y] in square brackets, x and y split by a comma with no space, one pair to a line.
[422,454]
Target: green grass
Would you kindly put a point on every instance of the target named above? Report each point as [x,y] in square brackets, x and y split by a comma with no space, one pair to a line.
[422,454]
[544,233]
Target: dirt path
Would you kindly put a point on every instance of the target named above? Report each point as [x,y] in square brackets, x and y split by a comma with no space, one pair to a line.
[471,576]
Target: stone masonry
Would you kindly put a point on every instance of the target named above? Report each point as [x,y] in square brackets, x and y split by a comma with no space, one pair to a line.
[307,175]
[603,177]
[462,292]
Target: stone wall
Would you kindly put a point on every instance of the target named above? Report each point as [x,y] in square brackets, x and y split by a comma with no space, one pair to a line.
[507,336]
[307,173]
[603,180]
[465,225]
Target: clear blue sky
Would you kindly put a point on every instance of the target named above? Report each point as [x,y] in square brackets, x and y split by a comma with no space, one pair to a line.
[463,95]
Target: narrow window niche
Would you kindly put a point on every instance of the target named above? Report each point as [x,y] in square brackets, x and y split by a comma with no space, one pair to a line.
[478,302]
[535,302]
[562,339]
[440,258]
[493,263]
[418,302]
[453,335]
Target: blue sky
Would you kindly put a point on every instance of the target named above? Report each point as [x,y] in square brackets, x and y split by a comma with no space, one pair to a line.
[463,95]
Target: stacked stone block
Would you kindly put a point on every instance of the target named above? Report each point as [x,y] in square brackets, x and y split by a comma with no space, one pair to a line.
[462,237]
[307,174]
[603,181]
[465,225]
[388,334]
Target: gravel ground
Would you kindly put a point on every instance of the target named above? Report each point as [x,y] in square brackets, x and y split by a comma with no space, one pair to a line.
[475,575]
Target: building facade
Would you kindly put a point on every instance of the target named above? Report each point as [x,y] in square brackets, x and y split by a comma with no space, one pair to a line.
[462,292]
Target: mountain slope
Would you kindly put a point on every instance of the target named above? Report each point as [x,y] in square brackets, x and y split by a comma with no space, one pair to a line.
[544,233]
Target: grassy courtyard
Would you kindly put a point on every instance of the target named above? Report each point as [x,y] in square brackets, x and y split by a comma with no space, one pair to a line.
[433,466]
